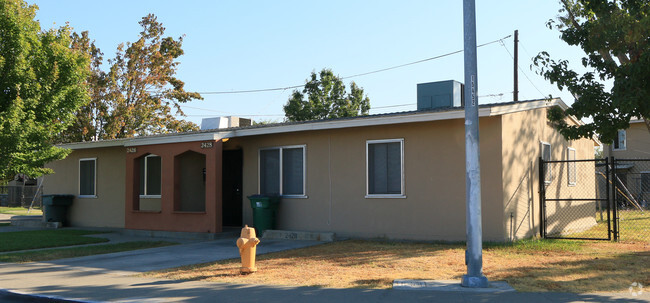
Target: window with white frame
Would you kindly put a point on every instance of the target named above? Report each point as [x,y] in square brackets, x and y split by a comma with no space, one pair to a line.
[620,143]
[87,177]
[282,171]
[150,176]
[385,168]
[572,175]
[546,155]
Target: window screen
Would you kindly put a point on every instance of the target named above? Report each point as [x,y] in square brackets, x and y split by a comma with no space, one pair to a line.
[571,167]
[87,177]
[270,171]
[385,168]
[620,142]
[150,175]
[282,171]
[292,171]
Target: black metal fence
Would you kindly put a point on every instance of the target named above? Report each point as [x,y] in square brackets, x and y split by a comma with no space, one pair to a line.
[631,179]
[574,199]
[600,199]
[21,196]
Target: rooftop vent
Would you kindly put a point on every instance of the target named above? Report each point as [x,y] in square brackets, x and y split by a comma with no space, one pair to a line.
[441,94]
[224,122]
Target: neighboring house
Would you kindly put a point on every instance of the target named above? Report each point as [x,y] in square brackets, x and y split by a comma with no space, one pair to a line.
[396,176]
[633,143]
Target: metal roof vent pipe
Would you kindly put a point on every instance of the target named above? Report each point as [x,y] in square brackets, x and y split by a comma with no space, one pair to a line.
[440,94]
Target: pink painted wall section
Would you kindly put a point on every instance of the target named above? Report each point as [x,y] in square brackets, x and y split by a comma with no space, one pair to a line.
[167,219]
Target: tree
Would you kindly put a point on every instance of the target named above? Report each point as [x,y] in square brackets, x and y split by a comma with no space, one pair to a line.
[614,37]
[135,97]
[91,117]
[326,99]
[41,87]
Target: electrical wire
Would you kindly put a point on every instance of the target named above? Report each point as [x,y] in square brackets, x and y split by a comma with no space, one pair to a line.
[352,76]
[522,70]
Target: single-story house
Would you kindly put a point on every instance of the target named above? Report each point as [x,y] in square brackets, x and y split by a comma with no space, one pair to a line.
[394,176]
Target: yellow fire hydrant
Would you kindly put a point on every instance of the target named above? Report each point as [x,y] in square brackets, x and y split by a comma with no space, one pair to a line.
[247,244]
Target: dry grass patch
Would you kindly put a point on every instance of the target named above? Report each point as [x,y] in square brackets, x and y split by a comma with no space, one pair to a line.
[549,265]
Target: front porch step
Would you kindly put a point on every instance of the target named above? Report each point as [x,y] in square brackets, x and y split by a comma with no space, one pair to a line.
[33,222]
[298,235]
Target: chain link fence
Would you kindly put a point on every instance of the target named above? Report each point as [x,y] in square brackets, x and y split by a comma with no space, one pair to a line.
[574,199]
[632,199]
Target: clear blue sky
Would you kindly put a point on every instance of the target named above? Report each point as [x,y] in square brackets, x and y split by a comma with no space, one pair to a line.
[243,45]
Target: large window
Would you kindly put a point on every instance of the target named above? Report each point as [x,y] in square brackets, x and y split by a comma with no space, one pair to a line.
[621,142]
[546,155]
[385,168]
[87,177]
[282,171]
[572,175]
[150,175]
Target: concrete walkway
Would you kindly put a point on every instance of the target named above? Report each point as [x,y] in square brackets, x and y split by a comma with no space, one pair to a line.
[112,278]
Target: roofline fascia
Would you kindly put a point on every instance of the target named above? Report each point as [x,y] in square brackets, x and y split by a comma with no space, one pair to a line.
[494,110]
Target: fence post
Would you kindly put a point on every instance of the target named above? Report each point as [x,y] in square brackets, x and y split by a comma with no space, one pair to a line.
[614,200]
[542,197]
[609,200]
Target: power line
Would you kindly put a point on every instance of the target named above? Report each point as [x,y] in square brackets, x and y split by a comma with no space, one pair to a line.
[522,70]
[352,76]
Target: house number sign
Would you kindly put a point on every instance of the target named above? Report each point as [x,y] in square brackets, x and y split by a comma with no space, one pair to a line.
[206,144]
[130,150]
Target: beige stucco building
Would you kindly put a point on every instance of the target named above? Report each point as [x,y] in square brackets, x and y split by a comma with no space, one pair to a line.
[395,176]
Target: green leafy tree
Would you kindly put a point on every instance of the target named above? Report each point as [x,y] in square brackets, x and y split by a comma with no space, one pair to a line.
[326,98]
[615,38]
[91,117]
[41,87]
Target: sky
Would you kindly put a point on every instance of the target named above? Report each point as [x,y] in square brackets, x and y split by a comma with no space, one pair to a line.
[248,45]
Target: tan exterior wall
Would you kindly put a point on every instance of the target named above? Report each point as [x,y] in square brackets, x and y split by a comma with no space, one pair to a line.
[638,143]
[522,135]
[434,168]
[107,209]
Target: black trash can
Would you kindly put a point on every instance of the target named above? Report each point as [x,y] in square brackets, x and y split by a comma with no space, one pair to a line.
[55,208]
[265,209]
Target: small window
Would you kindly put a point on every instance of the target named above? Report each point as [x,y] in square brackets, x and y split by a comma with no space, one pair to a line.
[620,143]
[546,156]
[282,171]
[87,177]
[571,167]
[150,176]
[385,168]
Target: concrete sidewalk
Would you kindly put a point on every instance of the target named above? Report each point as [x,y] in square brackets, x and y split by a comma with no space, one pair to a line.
[111,278]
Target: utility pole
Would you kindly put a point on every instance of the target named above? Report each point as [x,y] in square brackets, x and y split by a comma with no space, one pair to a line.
[515,93]
[474,253]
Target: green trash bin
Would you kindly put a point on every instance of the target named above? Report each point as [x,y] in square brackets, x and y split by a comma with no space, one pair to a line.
[55,208]
[265,209]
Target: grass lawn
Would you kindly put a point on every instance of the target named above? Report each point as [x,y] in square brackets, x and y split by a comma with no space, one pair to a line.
[20,211]
[22,240]
[529,265]
[634,226]
[60,253]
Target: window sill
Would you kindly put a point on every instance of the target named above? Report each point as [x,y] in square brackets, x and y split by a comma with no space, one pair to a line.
[147,211]
[86,197]
[149,196]
[385,196]
[619,149]
[189,212]
[294,197]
